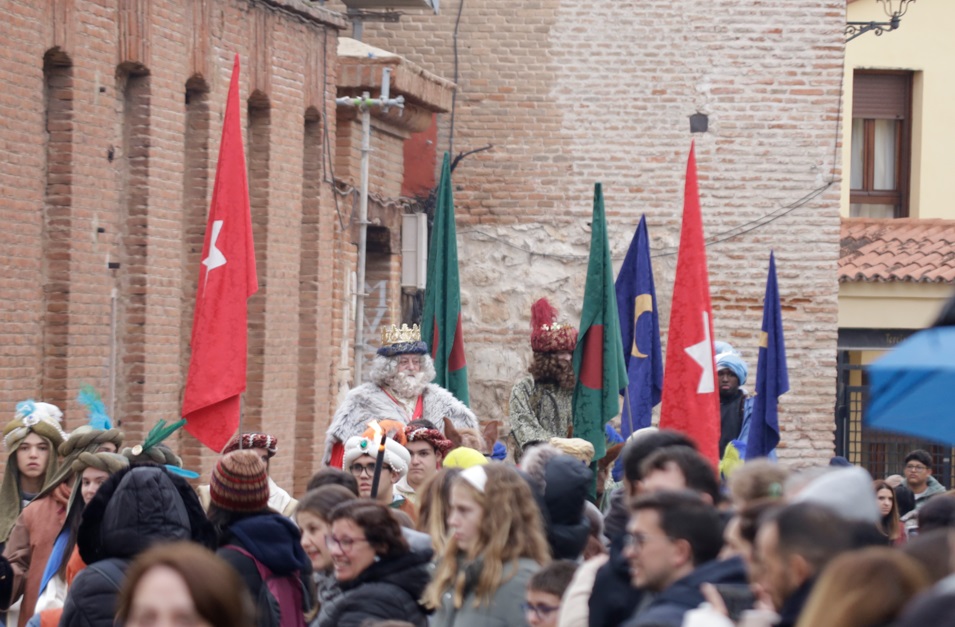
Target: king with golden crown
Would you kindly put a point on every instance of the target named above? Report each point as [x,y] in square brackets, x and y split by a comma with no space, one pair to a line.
[399,388]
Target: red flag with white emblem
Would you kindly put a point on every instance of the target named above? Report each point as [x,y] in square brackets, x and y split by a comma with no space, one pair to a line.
[227,278]
[691,401]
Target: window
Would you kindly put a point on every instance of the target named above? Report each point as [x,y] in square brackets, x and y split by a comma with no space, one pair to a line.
[881,144]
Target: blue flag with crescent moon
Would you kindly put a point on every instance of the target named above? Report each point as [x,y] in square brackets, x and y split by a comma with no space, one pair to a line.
[772,375]
[640,331]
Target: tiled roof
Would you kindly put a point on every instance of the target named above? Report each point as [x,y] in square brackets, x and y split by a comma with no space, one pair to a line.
[907,249]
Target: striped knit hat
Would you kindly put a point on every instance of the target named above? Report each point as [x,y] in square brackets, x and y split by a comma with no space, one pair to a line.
[240,483]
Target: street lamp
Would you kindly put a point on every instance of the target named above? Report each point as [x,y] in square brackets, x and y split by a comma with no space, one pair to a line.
[894,9]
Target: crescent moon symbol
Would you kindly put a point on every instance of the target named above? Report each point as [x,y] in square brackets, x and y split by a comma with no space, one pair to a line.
[641,305]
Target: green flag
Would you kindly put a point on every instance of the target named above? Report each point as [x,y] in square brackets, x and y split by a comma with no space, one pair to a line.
[441,320]
[598,357]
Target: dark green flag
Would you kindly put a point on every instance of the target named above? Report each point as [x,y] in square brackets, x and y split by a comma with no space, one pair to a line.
[598,358]
[441,320]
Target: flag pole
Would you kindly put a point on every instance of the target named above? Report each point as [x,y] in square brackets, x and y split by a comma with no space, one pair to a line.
[364,104]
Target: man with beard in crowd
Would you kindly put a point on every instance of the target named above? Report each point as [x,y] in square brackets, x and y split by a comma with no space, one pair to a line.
[400,389]
[541,404]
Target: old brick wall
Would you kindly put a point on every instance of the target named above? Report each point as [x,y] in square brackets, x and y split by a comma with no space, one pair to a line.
[570,93]
[112,114]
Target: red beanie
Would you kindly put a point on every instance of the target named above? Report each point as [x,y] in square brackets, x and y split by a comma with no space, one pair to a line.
[240,483]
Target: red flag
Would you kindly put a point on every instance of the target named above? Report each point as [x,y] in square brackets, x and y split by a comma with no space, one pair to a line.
[226,280]
[691,401]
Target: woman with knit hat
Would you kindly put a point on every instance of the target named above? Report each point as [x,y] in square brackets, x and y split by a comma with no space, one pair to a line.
[258,542]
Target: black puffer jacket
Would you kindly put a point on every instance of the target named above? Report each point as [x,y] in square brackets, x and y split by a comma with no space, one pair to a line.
[133,510]
[388,589]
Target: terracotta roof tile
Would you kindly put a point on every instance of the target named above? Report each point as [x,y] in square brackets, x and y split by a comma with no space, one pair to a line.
[907,249]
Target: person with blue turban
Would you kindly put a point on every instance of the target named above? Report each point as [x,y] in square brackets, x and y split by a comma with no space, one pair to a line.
[736,406]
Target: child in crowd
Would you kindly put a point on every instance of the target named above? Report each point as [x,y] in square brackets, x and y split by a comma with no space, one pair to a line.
[544,592]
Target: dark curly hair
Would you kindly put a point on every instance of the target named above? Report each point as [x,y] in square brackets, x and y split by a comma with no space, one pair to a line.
[550,368]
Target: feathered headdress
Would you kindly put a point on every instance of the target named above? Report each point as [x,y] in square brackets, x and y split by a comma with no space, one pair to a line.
[153,450]
[548,335]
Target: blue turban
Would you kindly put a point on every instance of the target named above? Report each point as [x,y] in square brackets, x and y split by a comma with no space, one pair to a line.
[735,363]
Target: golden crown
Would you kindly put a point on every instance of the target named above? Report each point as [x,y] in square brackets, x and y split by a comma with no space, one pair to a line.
[395,335]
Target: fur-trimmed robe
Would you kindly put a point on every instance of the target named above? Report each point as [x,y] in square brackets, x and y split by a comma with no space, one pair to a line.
[369,402]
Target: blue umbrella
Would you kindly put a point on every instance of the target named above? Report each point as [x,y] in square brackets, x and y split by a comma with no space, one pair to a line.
[912,388]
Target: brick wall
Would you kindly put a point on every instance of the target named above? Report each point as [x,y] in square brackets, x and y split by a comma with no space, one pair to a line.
[570,93]
[112,113]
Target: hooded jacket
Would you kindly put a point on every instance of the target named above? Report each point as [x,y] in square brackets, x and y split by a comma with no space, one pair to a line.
[388,589]
[275,541]
[133,510]
[668,607]
[561,484]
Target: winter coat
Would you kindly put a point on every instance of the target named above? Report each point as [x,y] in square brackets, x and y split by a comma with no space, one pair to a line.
[389,589]
[505,608]
[614,599]
[327,594]
[568,484]
[369,401]
[275,541]
[133,510]
[668,607]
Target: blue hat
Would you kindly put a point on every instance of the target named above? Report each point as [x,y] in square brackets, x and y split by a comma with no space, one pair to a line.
[735,363]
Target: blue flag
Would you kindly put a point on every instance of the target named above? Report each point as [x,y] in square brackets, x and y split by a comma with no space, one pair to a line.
[772,377]
[640,332]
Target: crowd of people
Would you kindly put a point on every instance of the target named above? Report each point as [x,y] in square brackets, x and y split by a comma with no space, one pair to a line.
[424,522]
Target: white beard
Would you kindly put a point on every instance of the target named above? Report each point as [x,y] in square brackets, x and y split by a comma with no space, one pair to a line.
[408,387]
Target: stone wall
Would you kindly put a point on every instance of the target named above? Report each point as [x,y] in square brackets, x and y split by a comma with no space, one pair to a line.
[570,93]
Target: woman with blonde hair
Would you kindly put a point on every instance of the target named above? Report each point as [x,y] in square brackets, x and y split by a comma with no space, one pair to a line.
[434,505]
[864,588]
[497,543]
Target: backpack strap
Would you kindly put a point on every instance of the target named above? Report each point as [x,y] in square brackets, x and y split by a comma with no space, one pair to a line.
[264,571]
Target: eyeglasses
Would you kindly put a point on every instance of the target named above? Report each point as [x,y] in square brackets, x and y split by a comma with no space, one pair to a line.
[358,470]
[541,611]
[345,544]
[916,467]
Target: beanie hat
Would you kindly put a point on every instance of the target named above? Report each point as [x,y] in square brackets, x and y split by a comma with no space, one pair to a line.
[397,457]
[575,447]
[239,483]
[845,491]
[735,363]
[253,440]
[464,457]
[548,335]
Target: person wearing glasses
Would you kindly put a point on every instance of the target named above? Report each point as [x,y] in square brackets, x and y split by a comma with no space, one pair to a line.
[544,592]
[380,577]
[359,460]
[919,480]
[497,543]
